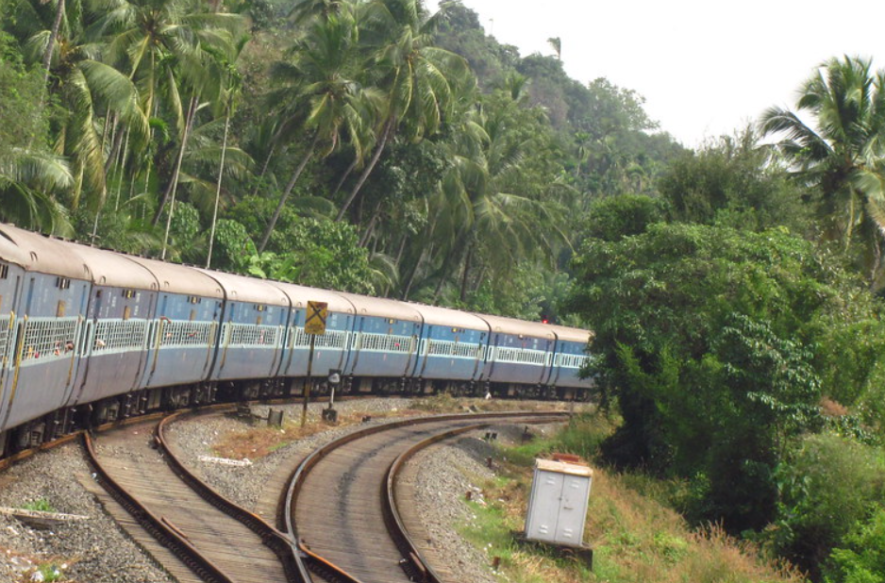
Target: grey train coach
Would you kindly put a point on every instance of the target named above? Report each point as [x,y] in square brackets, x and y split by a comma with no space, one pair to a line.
[89,336]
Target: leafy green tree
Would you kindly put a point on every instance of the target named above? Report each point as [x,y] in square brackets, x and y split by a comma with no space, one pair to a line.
[841,152]
[613,218]
[706,334]
[318,253]
[732,181]
[23,111]
[30,176]
[234,247]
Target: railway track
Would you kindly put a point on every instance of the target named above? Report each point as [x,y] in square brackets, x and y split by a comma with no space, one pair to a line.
[216,539]
[341,506]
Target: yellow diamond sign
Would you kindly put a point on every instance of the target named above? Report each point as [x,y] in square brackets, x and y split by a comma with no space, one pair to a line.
[317,312]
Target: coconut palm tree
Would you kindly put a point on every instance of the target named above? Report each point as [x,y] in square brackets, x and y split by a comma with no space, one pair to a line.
[417,78]
[484,209]
[839,152]
[322,76]
[92,94]
[27,179]
[169,48]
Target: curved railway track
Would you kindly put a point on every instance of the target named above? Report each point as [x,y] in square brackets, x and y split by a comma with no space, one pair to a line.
[217,540]
[341,507]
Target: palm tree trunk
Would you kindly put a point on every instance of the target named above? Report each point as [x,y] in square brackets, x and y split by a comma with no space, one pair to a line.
[274,141]
[173,184]
[399,254]
[412,274]
[264,169]
[344,177]
[122,167]
[218,189]
[466,273]
[388,128]
[368,233]
[53,36]
[287,192]
[116,144]
[442,277]
[191,114]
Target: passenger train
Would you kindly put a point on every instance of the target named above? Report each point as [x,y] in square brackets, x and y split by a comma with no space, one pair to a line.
[89,336]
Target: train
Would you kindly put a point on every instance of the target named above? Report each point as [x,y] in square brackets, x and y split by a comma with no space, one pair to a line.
[90,336]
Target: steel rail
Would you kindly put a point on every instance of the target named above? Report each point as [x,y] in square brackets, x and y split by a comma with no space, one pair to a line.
[272,538]
[299,476]
[157,526]
[10,460]
[419,569]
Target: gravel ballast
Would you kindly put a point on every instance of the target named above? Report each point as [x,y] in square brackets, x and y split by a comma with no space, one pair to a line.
[193,438]
[97,550]
[447,472]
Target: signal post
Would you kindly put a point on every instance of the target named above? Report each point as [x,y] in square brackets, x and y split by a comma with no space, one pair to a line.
[314,325]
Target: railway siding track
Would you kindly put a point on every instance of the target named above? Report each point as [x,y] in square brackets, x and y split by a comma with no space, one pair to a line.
[219,541]
[421,569]
[341,506]
[272,538]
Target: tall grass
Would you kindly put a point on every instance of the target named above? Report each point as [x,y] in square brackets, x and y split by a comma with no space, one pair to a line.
[635,535]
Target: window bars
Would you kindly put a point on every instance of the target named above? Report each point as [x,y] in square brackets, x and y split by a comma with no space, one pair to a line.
[386,343]
[452,349]
[252,335]
[114,336]
[521,356]
[48,339]
[570,360]
[6,341]
[185,334]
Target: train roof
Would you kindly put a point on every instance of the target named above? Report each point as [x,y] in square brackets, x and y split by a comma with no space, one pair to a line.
[179,279]
[299,295]
[368,306]
[519,327]
[113,269]
[42,254]
[448,317]
[569,334]
[239,288]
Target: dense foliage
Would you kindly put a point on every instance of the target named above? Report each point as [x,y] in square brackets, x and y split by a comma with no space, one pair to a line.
[737,332]
[284,124]
[711,335]
[374,147]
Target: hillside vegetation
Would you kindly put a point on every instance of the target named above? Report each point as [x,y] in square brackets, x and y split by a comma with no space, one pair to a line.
[373,147]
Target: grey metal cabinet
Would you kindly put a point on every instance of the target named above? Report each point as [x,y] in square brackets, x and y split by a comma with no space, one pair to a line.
[558,503]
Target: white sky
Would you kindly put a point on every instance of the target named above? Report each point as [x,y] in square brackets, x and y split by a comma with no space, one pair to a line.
[705,68]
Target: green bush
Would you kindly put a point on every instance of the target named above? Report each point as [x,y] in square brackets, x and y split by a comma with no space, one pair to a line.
[827,486]
[862,560]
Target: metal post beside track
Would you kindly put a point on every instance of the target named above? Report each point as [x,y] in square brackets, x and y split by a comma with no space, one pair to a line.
[308,382]
[314,325]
